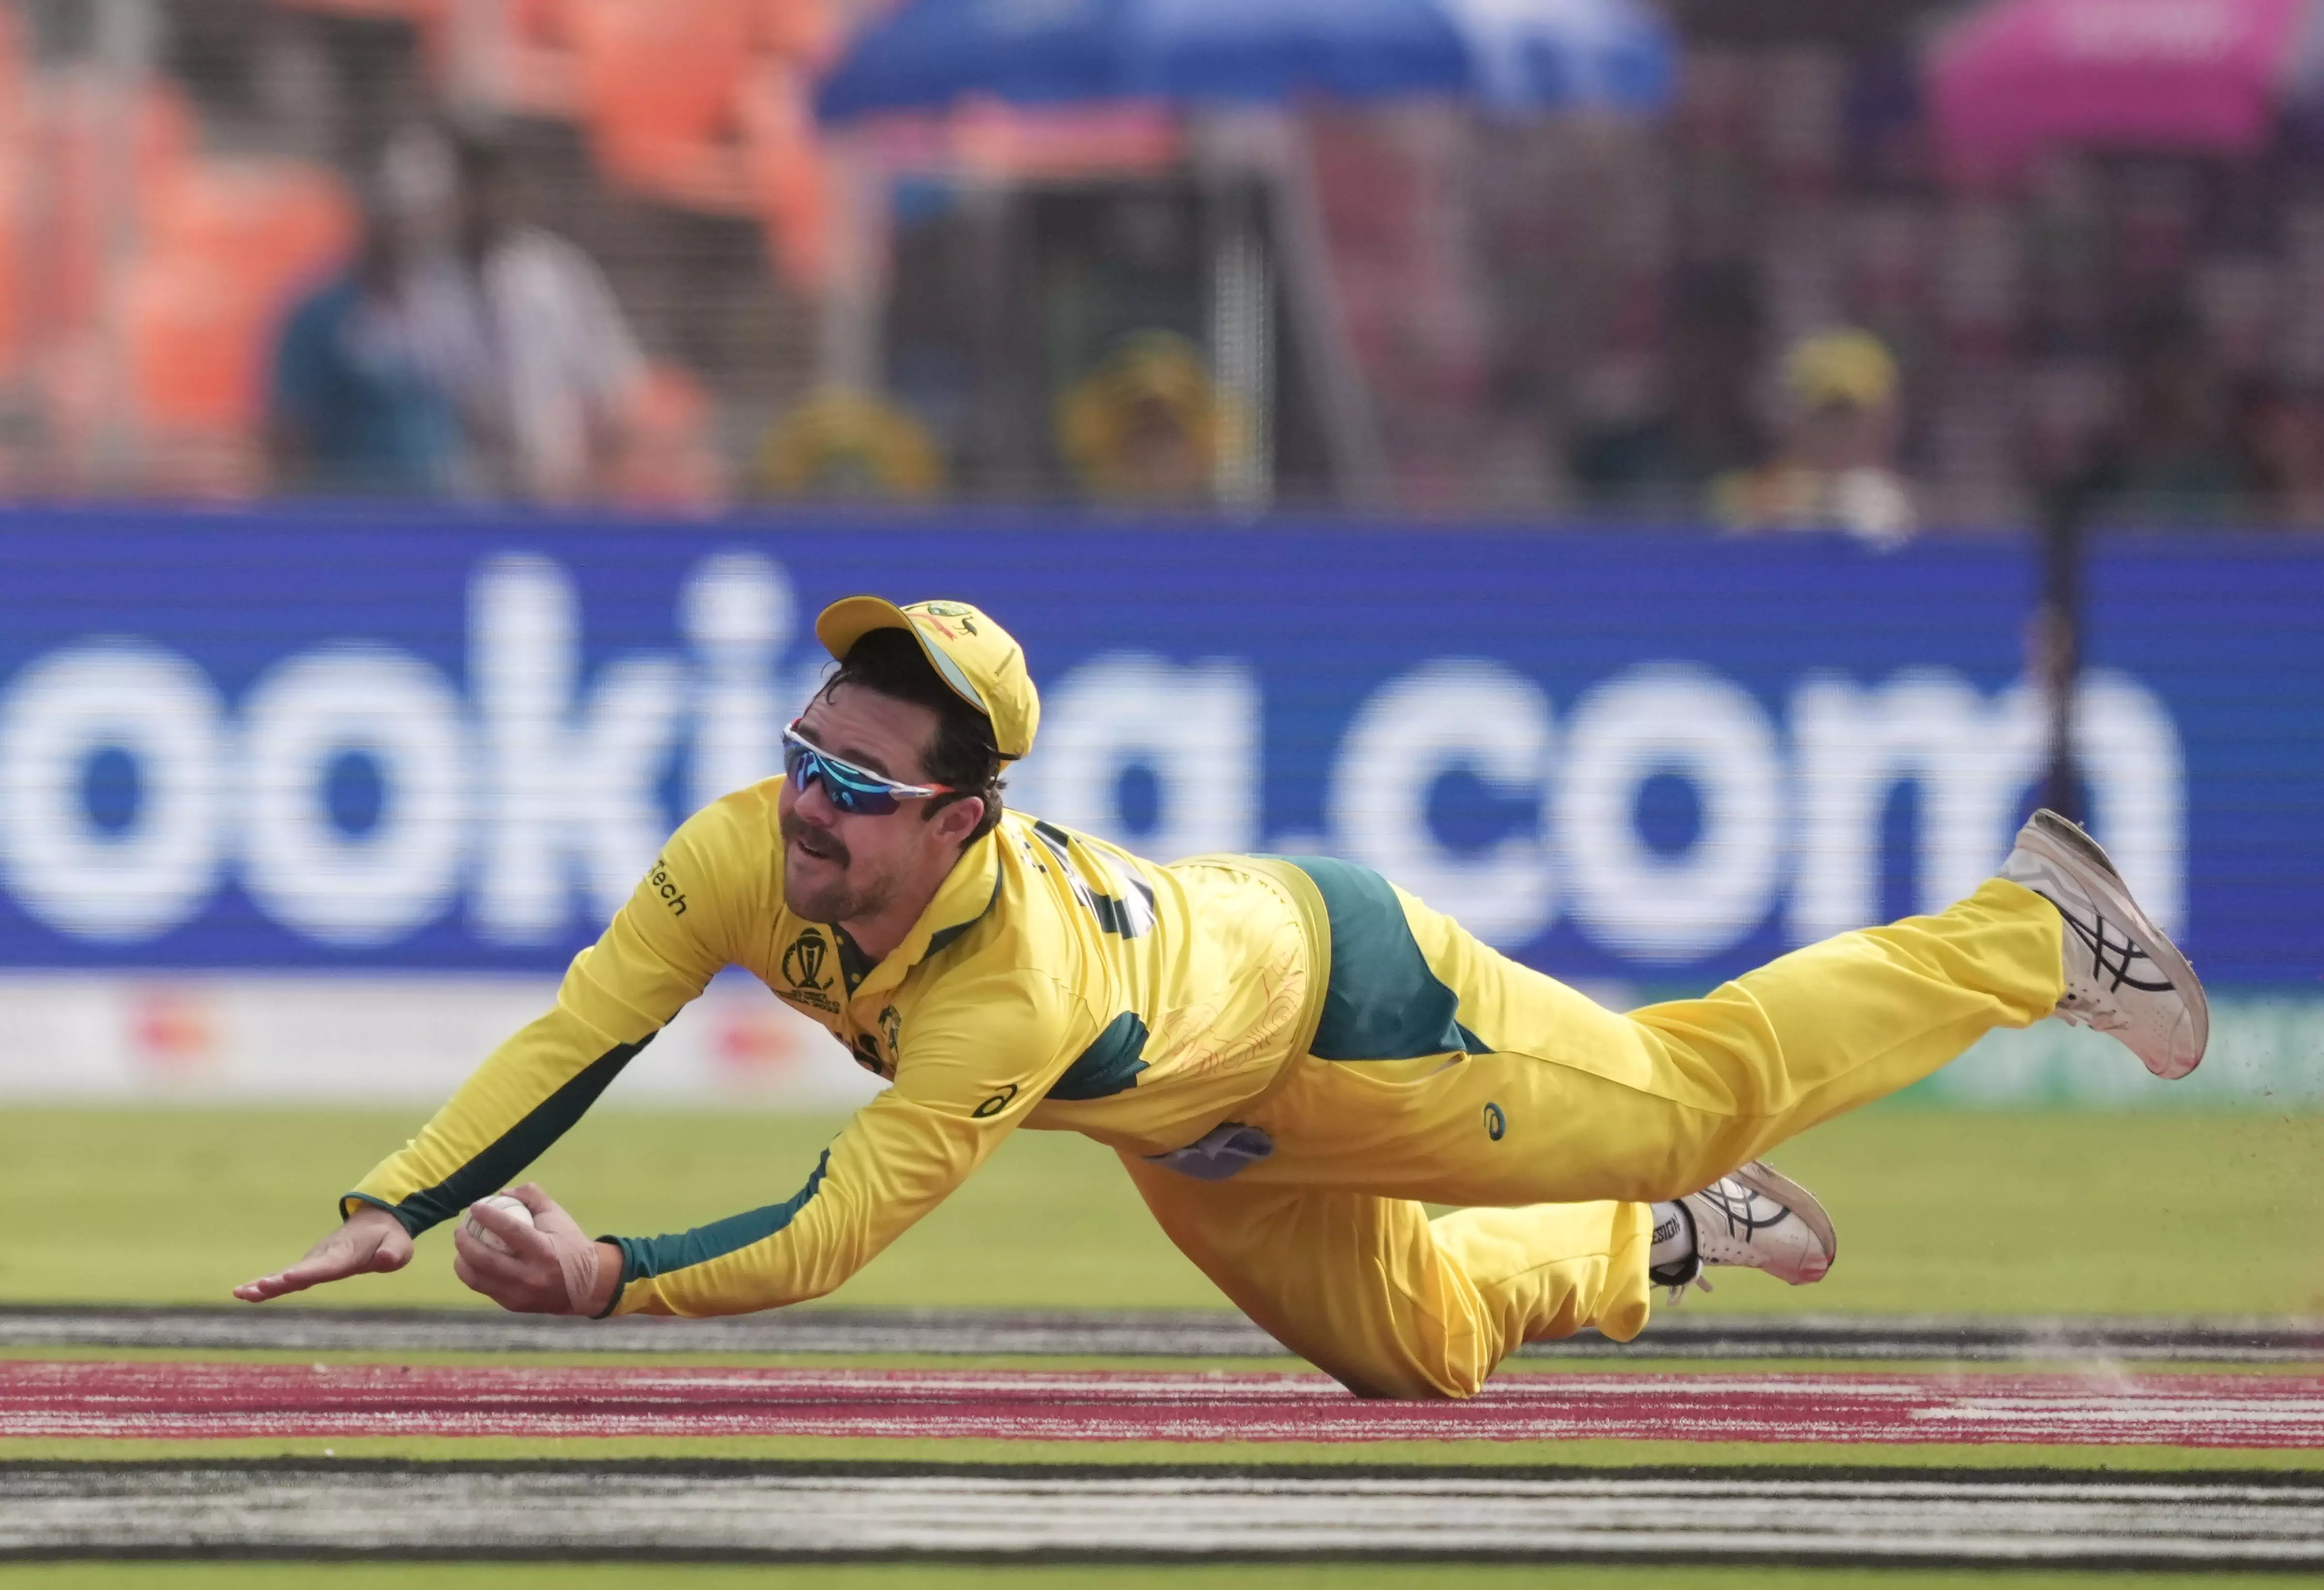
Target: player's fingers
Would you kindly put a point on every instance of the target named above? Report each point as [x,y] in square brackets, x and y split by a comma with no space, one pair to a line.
[468,1249]
[548,1216]
[523,1236]
[308,1271]
[513,1269]
[328,1260]
[561,1229]
[530,1196]
[481,1270]
[334,1258]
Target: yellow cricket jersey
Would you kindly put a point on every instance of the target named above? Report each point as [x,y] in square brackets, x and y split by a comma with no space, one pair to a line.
[1054,982]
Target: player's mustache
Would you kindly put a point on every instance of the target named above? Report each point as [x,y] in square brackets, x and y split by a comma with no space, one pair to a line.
[821,841]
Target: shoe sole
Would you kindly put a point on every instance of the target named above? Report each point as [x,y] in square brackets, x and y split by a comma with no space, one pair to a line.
[1767,1181]
[2062,841]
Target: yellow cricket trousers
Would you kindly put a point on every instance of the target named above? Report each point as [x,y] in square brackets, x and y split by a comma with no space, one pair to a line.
[1554,1122]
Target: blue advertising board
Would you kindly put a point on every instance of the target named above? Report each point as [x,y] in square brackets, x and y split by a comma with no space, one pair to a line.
[427,740]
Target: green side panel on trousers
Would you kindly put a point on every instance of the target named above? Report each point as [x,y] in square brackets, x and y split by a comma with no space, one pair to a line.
[1383,1003]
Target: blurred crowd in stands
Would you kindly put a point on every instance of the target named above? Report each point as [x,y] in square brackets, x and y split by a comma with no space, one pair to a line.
[460,352]
[319,264]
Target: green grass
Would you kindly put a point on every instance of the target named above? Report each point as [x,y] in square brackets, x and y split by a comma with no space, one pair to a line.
[297,1576]
[1938,1211]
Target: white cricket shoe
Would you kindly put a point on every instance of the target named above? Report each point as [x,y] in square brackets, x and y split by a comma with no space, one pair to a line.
[2123,976]
[1757,1216]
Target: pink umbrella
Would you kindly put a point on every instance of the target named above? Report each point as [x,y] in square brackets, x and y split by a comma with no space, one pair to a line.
[2015,77]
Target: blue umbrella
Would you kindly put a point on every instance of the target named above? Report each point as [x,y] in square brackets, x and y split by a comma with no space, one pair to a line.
[1509,56]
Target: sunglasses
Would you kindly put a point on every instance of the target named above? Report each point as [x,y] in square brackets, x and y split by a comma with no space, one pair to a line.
[856,790]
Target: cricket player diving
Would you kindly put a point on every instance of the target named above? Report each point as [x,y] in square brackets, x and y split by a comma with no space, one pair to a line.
[1291,1056]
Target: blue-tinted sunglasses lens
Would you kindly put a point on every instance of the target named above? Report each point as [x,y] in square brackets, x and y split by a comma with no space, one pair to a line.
[805,766]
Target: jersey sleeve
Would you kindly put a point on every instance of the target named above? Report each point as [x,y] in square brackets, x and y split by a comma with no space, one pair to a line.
[663,947]
[968,1070]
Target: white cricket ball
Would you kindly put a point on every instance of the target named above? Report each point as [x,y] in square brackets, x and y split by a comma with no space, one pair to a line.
[508,1204]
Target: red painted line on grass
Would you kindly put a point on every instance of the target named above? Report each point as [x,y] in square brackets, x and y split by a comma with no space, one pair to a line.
[182,1402]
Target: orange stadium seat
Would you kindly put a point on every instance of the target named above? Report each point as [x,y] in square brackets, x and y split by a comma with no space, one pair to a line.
[280,221]
[697,103]
[539,63]
[705,103]
[11,271]
[192,330]
[806,33]
[790,190]
[179,324]
[229,247]
[527,63]
[660,81]
[14,195]
[69,122]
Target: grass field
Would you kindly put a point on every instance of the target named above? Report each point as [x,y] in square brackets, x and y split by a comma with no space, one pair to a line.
[1938,1211]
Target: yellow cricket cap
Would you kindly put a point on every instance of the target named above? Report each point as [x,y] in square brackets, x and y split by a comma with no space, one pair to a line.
[1847,367]
[981,661]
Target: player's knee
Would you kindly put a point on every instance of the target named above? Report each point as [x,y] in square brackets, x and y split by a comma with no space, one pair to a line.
[1439,1379]
[1410,1390]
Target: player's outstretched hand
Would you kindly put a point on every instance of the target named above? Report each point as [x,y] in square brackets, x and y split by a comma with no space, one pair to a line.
[371,1241]
[551,1266]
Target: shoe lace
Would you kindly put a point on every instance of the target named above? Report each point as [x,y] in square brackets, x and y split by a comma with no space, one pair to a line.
[2084,1011]
[1678,1293]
